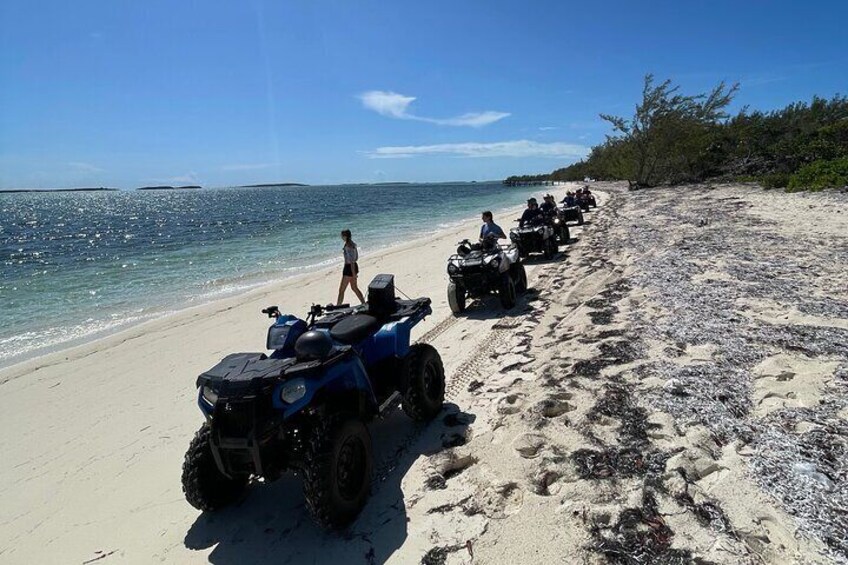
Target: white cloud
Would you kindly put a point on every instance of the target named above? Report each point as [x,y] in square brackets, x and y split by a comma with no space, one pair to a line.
[246,166]
[548,128]
[473,119]
[85,167]
[389,104]
[394,105]
[518,148]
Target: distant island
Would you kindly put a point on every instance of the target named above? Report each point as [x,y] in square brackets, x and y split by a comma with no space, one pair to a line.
[17,190]
[187,187]
[272,184]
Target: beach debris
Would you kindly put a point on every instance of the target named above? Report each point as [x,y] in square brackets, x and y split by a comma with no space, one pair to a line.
[675,386]
[439,555]
[640,535]
[99,554]
[798,455]
[810,470]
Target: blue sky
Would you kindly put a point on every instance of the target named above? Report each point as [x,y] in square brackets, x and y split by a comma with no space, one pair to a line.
[218,93]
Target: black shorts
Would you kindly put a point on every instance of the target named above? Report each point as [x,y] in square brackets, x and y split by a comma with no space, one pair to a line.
[350,269]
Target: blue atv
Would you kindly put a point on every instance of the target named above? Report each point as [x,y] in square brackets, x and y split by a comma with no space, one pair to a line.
[305,406]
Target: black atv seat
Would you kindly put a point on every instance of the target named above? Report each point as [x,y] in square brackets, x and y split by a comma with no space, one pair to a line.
[355,328]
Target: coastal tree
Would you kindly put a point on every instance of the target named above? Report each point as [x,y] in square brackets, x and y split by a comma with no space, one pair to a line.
[670,134]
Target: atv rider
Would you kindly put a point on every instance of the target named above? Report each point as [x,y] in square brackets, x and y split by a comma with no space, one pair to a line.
[489,229]
[570,200]
[531,215]
[548,207]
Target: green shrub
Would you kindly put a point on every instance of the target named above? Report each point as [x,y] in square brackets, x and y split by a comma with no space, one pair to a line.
[775,180]
[819,175]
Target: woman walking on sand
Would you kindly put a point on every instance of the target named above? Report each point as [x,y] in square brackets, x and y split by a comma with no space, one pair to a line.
[351,268]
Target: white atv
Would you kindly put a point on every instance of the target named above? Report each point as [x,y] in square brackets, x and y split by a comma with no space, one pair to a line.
[480,269]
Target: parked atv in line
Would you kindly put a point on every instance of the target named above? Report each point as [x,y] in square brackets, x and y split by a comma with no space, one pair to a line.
[480,269]
[570,214]
[561,231]
[538,237]
[586,200]
[305,406]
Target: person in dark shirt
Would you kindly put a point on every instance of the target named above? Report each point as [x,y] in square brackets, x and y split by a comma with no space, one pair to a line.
[531,215]
[548,207]
[569,199]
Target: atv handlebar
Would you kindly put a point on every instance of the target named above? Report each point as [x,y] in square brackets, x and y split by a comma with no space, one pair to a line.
[272,311]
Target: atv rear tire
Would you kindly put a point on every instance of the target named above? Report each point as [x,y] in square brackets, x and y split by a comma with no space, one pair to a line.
[507,293]
[456,298]
[520,279]
[204,486]
[579,217]
[565,234]
[423,383]
[337,471]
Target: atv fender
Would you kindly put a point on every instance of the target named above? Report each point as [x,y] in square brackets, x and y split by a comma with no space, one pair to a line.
[391,341]
[345,380]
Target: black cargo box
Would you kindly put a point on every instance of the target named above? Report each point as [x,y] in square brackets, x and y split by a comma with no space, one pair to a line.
[381,296]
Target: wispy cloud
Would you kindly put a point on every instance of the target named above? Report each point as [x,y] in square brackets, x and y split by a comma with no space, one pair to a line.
[246,167]
[85,167]
[394,105]
[548,128]
[517,148]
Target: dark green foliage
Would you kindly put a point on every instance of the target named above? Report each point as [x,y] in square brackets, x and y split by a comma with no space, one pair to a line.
[820,174]
[526,179]
[775,180]
[674,138]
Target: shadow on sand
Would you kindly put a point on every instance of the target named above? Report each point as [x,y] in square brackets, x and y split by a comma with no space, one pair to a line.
[271,523]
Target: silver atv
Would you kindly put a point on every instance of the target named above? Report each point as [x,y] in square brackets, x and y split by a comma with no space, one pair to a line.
[480,269]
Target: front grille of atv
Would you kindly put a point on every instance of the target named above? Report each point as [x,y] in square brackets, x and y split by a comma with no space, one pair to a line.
[235,418]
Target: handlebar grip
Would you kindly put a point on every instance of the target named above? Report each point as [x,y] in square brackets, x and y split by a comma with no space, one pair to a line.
[271,311]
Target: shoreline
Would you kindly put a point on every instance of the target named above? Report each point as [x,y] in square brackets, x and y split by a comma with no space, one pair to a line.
[77,347]
[96,434]
[605,394]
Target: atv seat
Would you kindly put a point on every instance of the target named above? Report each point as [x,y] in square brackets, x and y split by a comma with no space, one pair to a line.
[355,328]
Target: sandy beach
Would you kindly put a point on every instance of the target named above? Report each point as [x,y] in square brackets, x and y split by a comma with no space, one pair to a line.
[674,387]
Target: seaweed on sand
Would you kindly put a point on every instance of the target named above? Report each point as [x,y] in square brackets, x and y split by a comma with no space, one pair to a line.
[640,535]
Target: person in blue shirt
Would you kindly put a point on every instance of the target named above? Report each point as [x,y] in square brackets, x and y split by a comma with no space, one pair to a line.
[569,199]
[490,228]
[531,215]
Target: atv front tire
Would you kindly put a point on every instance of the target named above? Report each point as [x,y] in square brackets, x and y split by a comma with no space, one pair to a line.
[550,248]
[565,234]
[337,471]
[423,383]
[507,293]
[456,298]
[204,486]
[579,217]
[520,279]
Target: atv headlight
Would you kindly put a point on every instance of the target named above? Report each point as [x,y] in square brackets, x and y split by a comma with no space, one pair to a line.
[209,395]
[513,236]
[293,391]
[452,269]
[494,262]
[540,230]
[556,221]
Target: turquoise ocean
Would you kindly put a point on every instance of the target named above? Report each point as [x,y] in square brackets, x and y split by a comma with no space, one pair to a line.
[79,265]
